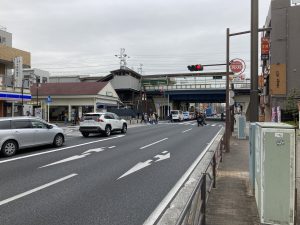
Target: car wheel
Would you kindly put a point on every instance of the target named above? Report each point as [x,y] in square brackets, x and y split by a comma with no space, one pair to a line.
[107,131]
[9,148]
[124,128]
[58,140]
[85,134]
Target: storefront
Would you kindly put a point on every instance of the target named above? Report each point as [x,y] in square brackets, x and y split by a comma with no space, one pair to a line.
[11,103]
[69,101]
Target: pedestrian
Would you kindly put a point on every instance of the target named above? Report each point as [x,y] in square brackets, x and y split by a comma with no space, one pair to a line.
[153,118]
[143,118]
[146,118]
[66,118]
[156,117]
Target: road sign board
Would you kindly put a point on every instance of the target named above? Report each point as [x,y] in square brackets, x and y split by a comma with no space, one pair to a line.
[237,66]
[49,99]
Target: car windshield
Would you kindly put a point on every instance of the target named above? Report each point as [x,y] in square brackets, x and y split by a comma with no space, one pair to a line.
[174,112]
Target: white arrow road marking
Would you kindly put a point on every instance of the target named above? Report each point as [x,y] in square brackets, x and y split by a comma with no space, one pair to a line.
[146,146]
[60,149]
[141,165]
[186,130]
[36,189]
[137,167]
[66,160]
[162,157]
[94,150]
[84,154]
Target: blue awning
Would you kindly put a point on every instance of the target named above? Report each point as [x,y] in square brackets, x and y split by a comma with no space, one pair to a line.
[14,96]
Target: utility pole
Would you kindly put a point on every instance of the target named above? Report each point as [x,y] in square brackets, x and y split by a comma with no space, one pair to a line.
[227,118]
[254,62]
[122,57]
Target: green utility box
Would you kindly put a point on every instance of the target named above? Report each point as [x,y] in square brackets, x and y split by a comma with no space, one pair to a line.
[275,172]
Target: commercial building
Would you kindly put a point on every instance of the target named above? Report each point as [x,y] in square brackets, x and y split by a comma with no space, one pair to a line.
[280,66]
[71,100]
[13,92]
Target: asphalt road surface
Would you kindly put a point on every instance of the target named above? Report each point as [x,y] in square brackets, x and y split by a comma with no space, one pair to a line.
[119,180]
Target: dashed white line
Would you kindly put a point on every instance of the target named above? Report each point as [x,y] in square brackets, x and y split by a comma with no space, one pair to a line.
[36,189]
[186,130]
[112,147]
[146,146]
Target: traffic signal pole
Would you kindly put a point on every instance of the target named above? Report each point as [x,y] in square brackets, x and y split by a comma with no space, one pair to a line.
[227,118]
[254,62]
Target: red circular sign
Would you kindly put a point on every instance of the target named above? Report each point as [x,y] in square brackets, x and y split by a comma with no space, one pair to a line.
[237,66]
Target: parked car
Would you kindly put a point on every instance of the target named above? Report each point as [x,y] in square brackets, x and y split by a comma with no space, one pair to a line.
[24,132]
[186,115]
[176,115]
[104,123]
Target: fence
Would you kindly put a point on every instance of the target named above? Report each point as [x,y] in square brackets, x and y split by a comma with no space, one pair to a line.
[193,212]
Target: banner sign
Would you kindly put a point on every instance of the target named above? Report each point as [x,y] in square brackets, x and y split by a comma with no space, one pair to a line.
[278,79]
[265,48]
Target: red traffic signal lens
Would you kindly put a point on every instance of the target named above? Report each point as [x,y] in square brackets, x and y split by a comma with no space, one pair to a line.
[198,67]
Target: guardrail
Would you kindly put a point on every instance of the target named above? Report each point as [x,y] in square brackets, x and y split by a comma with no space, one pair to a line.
[194,209]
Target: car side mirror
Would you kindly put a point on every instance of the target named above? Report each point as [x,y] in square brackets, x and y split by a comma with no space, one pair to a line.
[49,126]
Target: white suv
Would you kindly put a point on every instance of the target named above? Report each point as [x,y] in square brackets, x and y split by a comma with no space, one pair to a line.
[101,123]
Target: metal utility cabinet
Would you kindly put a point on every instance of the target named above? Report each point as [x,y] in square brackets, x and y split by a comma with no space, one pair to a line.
[275,172]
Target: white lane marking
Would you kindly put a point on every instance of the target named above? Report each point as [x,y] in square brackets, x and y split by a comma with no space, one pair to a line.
[60,149]
[146,146]
[165,202]
[186,130]
[162,157]
[137,167]
[94,150]
[213,125]
[66,160]
[141,165]
[75,157]
[36,189]
[112,147]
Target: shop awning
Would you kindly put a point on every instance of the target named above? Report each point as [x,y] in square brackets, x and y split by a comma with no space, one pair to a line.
[14,96]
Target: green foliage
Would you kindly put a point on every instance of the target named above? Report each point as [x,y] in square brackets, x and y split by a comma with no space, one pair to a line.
[292,98]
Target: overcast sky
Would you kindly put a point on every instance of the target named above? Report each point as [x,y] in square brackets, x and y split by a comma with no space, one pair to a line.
[83,36]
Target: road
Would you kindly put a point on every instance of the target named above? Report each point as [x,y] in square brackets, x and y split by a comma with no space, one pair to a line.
[121,179]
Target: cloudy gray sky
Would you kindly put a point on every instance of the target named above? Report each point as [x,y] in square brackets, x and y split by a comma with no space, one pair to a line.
[83,36]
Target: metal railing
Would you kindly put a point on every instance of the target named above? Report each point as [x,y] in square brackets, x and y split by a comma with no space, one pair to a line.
[211,84]
[195,208]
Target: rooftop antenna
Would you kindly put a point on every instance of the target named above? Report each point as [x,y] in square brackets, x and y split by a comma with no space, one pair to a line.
[140,69]
[122,58]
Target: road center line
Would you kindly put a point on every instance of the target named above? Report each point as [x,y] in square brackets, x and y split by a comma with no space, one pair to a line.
[146,146]
[60,149]
[36,189]
[187,130]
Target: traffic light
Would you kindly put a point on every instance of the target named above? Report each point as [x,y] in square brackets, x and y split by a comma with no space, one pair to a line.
[197,67]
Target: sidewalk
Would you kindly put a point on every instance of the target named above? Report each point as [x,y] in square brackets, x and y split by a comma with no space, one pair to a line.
[230,203]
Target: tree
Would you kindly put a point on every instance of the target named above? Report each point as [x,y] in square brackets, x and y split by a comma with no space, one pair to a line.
[291,105]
